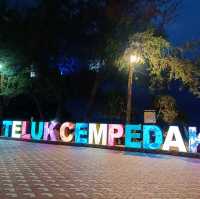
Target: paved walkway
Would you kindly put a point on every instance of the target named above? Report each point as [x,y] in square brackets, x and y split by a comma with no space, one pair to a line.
[32,170]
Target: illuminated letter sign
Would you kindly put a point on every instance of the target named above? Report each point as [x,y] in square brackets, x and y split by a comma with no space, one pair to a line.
[137,136]
[98,134]
[65,134]
[178,142]
[16,129]
[6,128]
[194,139]
[49,131]
[24,134]
[37,135]
[152,132]
[115,131]
[81,133]
[131,137]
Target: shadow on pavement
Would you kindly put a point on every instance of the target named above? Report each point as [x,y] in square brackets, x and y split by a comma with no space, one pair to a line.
[149,155]
[191,160]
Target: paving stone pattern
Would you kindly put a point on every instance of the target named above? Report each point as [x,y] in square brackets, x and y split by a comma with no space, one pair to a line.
[32,170]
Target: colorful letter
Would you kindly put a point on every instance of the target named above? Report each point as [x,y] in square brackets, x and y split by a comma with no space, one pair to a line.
[65,134]
[7,128]
[194,139]
[157,136]
[115,131]
[49,131]
[98,133]
[178,142]
[24,134]
[37,135]
[131,137]
[16,129]
[81,133]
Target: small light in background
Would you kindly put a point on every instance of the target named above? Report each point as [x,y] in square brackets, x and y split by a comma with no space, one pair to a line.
[32,72]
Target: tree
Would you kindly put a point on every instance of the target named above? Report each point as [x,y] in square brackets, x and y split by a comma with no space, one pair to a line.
[123,19]
[14,77]
[164,61]
[101,32]
[115,107]
[166,108]
[91,30]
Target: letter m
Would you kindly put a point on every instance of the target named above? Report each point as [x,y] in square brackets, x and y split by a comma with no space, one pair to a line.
[98,133]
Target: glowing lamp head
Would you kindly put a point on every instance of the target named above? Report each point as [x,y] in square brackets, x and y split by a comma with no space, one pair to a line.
[135,59]
[1,66]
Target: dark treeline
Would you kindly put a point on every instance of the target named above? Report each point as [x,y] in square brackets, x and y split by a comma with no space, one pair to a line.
[60,59]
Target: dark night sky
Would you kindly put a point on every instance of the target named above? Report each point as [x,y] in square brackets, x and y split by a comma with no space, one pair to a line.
[187,24]
[22,3]
[186,27]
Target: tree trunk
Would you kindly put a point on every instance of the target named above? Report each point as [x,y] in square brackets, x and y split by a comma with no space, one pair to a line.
[92,96]
[129,95]
[1,107]
[38,106]
[60,107]
[59,111]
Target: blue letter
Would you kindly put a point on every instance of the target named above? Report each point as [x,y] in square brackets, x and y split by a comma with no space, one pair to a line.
[194,140]
[158,137]
[6,128]
[39,134]
[130,136]
[81,133]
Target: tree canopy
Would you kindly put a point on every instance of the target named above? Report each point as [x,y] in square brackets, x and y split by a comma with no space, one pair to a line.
[164,61]
[77,36]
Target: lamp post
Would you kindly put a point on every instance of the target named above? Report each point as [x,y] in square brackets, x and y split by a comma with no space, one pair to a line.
[1,77]
[1,89]
[134,59]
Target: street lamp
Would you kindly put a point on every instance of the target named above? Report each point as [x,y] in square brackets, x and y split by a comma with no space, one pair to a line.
[134,59]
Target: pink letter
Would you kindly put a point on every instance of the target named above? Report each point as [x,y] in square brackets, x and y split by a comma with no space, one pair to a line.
[49,131]
[25,135]
[115,131]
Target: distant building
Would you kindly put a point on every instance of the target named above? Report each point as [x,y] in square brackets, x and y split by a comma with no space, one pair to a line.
[149,116]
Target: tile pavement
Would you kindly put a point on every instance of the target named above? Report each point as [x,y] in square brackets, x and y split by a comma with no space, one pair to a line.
[33,170]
